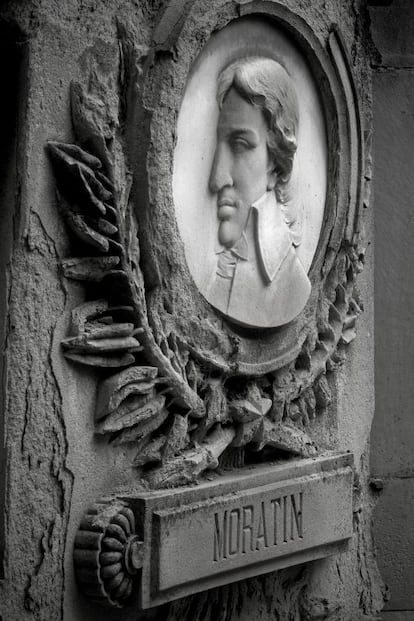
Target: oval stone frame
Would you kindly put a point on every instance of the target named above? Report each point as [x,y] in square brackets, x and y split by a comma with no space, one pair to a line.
[174,303]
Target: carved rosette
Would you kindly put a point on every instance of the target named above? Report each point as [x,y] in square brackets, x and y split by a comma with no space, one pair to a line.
[107,553]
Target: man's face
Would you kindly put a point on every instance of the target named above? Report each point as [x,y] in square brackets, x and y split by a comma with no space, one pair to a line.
[241,171]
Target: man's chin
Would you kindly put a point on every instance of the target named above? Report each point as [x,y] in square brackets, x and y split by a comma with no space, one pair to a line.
[228,233]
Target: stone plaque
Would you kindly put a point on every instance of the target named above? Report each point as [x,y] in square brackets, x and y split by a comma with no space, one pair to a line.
[242,525]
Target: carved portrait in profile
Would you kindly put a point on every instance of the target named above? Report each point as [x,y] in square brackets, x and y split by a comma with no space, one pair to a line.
[250,176]
[258,281]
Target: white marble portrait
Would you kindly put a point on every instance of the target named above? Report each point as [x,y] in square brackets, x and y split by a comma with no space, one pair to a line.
[258,280]
[250,242]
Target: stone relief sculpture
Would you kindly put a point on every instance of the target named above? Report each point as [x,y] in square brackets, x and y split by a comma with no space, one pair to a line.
[174,386]
[259,280]
[185,413]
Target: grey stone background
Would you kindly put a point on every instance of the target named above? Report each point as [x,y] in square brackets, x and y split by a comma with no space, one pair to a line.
[392,439]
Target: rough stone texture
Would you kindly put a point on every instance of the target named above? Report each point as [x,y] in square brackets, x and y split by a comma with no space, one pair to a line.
[392,441]
[394,280]
[39,484]
[394,536]
[8,117]
[56,465]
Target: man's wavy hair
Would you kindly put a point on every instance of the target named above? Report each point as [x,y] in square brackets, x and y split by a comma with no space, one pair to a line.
[264,83]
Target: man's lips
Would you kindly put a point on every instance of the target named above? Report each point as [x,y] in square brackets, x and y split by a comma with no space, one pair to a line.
[226,207]
[226,202]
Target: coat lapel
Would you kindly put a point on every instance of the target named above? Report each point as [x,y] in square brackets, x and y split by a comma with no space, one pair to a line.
[273,239]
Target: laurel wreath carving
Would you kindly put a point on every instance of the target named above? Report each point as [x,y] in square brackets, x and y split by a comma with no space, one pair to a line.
[182,420]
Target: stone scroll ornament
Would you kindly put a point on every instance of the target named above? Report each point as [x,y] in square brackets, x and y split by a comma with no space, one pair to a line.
[186,410]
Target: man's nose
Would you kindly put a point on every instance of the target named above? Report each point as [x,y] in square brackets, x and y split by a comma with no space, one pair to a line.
[220,175]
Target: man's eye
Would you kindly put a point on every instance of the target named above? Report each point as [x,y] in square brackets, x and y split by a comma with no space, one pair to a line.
[238,145]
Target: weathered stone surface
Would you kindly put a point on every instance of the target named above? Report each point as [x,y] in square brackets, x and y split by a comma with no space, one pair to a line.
[149,451]
[284,437]
[49,403]
[147,410]
[111,362]
[149,419]
[88,268]
[115,389]
[188,466]
[394,534]
[244,411]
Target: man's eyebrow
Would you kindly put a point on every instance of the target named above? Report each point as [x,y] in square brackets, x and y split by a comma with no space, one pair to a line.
[242,131]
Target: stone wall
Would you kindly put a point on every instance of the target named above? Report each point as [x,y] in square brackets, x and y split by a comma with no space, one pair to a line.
[55,463]
[392,432]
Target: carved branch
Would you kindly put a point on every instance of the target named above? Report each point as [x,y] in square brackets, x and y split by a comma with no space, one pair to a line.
[81,167]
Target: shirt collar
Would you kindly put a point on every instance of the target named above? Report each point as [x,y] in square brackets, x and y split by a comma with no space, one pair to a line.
[240,249]
[262,202]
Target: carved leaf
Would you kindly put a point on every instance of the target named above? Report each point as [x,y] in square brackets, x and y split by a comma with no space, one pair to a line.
[348,336]
[88,268]
[121,419]
[71,154]
[284,437]
[247,432]
[106,361]
[190,464]
[88,235]
[101,345]
[84,312]
[91,118]
[322,392]
[155,418]
[150,453]
[113,390]
[216,404]
[244,411]
[177,438]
